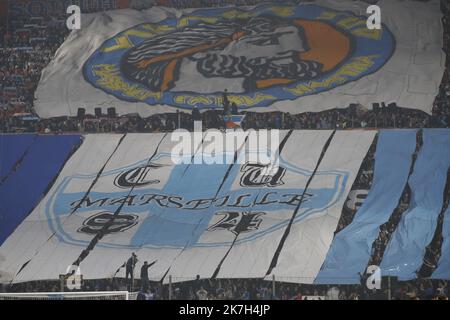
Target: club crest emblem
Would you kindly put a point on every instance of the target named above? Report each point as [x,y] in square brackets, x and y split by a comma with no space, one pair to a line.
[262,55]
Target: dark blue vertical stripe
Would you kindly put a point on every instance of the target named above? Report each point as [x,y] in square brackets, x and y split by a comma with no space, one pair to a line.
[12,148]
[23,190]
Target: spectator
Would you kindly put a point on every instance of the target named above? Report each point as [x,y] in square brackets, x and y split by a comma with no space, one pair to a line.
[129,270]
[144,275]
[234,108]
[202,294]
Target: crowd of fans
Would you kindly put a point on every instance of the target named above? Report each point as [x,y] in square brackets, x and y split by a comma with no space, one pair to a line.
[388,117]
[253,289]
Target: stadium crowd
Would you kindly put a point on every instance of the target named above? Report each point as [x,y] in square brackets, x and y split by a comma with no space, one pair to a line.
[186,4]
[29,43]
[253,289]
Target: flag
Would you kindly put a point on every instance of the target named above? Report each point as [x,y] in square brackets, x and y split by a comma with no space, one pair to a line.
[233,121]
[235,220]
[309,57]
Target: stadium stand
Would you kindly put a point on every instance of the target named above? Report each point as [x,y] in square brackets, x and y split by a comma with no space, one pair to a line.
[371,176]
[27,50]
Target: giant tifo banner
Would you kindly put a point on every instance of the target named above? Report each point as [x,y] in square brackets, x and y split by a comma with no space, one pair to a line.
[118,194]
[309,57]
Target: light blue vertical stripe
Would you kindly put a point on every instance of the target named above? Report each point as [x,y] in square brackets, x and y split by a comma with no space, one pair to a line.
[350,250]
[404,253]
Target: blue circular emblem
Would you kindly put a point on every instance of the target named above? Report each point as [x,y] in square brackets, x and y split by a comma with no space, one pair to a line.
[266,54]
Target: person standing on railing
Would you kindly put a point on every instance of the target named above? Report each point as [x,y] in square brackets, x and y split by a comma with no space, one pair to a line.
[129,270]
[226,103]
[145,281]
[234,109]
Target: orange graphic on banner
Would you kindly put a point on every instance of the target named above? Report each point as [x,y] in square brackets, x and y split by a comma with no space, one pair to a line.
[327,45]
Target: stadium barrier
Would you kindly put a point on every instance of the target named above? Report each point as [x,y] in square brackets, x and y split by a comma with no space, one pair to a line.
[100,295]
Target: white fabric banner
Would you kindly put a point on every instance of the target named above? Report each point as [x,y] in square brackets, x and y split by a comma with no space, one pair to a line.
[223,220]
[37,233]
[308,242]
[251,259]
[305,58]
